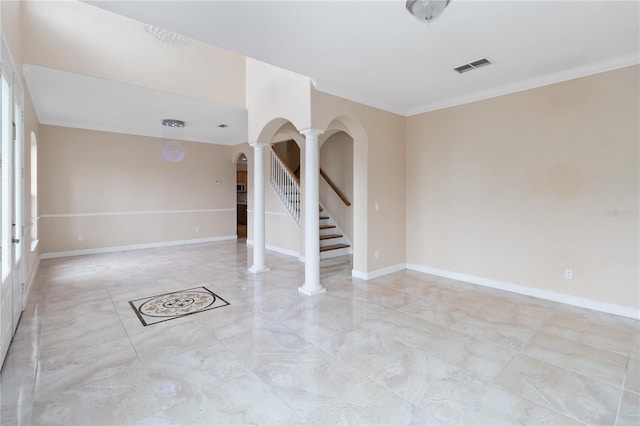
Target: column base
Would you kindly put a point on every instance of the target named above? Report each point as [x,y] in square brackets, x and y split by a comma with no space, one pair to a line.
[315,292]
[255,270]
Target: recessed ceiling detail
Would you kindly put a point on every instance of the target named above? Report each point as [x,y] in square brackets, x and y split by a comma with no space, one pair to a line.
[60,99]
[473,65]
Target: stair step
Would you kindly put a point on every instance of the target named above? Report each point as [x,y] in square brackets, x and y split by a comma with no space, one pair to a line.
[327,226]
[330,236]
[334,247]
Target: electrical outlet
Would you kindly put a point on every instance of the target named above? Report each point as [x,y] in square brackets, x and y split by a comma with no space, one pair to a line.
[376,254]
[197,229]
[80,237]
[568,274]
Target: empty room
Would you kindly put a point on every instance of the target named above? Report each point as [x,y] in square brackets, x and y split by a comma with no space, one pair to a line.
[376,212]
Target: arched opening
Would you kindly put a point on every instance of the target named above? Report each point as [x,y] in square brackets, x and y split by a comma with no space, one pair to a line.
[242,184]
[349,131]
[34,191]
[359,204]
[336,191]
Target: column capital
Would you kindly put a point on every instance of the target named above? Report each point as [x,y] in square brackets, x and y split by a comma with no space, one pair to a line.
[311,132]
[260,144]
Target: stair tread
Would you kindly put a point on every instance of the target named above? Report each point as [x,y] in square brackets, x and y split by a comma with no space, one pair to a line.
[334,247]
[330,236]
[327,226]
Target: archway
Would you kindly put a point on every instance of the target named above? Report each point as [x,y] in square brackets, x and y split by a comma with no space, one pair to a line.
[242,185]
[354,129]
[336,194]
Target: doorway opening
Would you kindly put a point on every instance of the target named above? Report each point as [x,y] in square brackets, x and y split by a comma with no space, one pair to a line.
[241,196]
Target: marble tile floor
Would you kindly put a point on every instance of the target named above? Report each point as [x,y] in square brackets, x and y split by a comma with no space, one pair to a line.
[407,348]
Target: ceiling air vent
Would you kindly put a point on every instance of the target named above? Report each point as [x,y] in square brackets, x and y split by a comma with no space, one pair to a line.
[473,65]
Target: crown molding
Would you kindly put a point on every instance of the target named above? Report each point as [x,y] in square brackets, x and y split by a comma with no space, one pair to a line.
[545,80]
[330,89]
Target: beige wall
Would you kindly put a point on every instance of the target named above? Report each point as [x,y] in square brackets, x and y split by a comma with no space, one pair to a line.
[378,177]
[520,187]
[275,93]
[336,159]
[87,172]
[289,153]
[77,37]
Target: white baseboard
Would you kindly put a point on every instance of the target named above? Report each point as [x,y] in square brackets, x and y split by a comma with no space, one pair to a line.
[100,250]
[378,273]
[568,299]
[32,278]
[277,249]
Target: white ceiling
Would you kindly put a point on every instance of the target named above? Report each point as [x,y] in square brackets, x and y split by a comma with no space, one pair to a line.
[72,100]
[376,53]
[372,52]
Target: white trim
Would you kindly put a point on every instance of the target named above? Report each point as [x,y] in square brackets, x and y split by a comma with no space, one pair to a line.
[34,245]
[100,250]
[545,80]
[113,128]
[34,271]
[272,213]
[133,213]
[378,273]
[277,249]
[567,299]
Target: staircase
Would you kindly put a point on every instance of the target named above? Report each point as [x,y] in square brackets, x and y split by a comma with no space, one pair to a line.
[284,182]
[333,242]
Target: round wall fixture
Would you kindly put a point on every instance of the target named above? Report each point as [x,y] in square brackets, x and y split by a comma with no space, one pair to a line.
[173,151]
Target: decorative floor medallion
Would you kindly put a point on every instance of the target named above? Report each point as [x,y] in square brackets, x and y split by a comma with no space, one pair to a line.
[165,307]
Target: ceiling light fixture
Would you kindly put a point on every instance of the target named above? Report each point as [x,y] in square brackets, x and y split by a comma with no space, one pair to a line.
[170,122]
[173,132]
[169,37]
[426,10]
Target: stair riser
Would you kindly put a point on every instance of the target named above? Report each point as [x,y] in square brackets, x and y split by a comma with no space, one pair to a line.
[335,253]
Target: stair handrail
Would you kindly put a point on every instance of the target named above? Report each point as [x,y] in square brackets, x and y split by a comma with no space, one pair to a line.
[333,186]
[286,185]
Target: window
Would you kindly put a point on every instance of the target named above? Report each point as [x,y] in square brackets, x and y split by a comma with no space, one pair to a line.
[34,191]
[5,163]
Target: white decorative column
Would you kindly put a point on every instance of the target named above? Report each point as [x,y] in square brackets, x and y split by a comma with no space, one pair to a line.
[258,209]
[311,285]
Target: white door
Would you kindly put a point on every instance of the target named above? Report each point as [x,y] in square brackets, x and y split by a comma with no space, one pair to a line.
[11,220]
[18,220]
[6,218]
